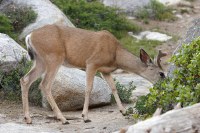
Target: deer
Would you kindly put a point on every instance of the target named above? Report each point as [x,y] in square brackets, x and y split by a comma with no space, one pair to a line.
[54,45]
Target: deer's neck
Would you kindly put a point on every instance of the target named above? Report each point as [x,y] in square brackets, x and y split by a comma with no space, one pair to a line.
[129,62]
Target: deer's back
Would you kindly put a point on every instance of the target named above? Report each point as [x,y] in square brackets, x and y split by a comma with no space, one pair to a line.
[76,46]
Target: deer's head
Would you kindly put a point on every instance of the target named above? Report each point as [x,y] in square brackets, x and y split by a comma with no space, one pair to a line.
[154,71]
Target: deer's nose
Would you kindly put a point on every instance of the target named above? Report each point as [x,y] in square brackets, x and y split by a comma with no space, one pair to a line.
[162,75]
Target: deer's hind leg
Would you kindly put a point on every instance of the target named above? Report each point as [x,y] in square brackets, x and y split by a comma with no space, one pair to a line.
[26,81]
[52,67]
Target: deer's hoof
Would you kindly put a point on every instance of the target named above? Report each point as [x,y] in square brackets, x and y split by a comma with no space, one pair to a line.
[124,113]
[28,120]
[65,123]
[63,120]
[87,121]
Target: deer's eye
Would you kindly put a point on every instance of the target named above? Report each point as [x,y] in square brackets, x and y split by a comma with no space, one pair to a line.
[162,75]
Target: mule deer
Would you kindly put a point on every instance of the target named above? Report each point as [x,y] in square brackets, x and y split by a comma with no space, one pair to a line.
[53,45]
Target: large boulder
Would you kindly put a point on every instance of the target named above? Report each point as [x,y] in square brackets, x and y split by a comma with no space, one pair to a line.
[47,13]
[10,53]
[69,90]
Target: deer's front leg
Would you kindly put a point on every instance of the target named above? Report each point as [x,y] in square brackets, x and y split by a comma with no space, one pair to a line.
[90,73]
[111,84]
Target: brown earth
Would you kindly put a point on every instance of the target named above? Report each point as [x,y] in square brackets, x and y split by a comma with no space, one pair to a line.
[105,119]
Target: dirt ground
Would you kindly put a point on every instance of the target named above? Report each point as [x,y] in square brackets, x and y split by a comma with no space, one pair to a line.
[105,119]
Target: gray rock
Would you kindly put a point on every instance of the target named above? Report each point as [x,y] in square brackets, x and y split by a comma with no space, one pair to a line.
[131,6]
[179,16]
[47,13]
[192,34]
[170,2]
[10,52]
[185,4]
[142,85]
[69,90]
[149,35]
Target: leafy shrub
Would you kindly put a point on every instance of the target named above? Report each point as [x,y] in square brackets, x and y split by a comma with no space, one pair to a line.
[95,16]
[184,87]
[5,25]
[124,92]
[20,17]
[14,19]
[10,83]
[155,10]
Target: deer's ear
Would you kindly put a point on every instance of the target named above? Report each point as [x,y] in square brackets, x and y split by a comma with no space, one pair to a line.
[144,57]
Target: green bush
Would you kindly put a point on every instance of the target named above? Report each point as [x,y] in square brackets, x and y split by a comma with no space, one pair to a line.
[95,16]
[15,19]
[10,83]
[12,22]
[5,25]
[184,87]
[20,17]
[156,11]
[124,92]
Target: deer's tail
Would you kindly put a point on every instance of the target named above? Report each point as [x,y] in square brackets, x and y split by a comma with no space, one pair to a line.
[30,49]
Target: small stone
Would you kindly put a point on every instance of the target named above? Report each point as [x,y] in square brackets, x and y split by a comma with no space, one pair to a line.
[2,116]
[89,127]
[149,35]
[174,11]
[185,4]
[179,16]
[131,18]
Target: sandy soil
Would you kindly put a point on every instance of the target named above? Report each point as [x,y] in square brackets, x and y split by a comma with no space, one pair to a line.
[105,119]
